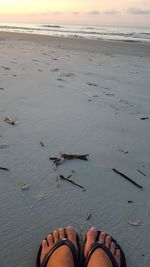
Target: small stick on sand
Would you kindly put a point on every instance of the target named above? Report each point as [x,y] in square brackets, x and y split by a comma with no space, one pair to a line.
[127,178]
[88,216]
[75,156]
[141,172]
[42,144]
[4,169]
[71,181]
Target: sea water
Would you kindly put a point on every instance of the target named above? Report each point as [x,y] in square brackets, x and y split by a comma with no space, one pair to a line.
[80,31]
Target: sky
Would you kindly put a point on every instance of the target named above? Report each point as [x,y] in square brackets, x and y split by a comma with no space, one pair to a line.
[89,12]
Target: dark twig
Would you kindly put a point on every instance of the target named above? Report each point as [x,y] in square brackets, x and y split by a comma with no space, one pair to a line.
[4,169]
[71,181]
[127,178]
[141,172]
[75,156]
[42,144]
[144,118]
[88,216]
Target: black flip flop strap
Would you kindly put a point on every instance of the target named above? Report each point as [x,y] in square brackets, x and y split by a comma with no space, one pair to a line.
[97,245]
[59,244]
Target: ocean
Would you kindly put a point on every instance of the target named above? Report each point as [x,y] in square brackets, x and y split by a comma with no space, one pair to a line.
[81,31]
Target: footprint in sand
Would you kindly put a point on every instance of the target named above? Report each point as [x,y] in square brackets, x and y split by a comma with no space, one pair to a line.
[5,68]
[60,79]
[109,94]
[4,146]
[95,95]
[92,84]
[67,75]
[124,101]
[55,70]
[36,60]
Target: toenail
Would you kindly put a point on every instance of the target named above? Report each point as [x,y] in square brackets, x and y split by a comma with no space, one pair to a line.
[93,229]
[70,227]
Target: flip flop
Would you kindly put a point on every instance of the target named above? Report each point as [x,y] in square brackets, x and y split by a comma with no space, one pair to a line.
[97,245]
[62,242]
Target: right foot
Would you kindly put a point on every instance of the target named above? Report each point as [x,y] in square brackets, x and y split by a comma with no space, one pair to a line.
[99,257]
[62,256]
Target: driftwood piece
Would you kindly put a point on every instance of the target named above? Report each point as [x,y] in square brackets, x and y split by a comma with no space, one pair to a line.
[127,178]
[60,160]
[71,181]
[4,169]
[57,161]
[9,120]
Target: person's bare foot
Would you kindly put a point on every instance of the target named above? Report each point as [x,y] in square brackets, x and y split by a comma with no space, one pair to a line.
[62,256]
[99,258]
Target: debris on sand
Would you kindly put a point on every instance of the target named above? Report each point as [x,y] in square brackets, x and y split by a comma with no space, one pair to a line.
[141,172]
[88,216]
[42,144]
[144,118]
[4,169]
[9,120]
[71,181]
[134,222]
[60,160]
[75,156]
[127,178]
[57,161]
[25,186]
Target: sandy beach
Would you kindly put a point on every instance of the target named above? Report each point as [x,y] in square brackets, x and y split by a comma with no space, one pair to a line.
[73,96]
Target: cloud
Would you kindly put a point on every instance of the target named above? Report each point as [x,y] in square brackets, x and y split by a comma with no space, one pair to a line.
[75,13]
[138,11]
[94,12]
[111,12]
[56,13]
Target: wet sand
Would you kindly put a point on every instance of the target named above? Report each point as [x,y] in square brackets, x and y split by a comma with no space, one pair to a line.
[74,96]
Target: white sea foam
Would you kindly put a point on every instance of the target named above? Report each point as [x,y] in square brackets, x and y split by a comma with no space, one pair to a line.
[80,31]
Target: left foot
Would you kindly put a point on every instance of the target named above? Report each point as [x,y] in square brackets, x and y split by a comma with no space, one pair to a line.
[99,257]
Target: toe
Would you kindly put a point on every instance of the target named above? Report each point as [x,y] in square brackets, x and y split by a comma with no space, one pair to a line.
[61,233]
[44,244]
[50,240]
[92,235]
[56,236]
[44,250]
[108,241]
[102,237]
[71,234]
[90,239]
[118,256]
[112,248]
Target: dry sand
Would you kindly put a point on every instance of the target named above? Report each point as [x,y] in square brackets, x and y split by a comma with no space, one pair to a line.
[75,96]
